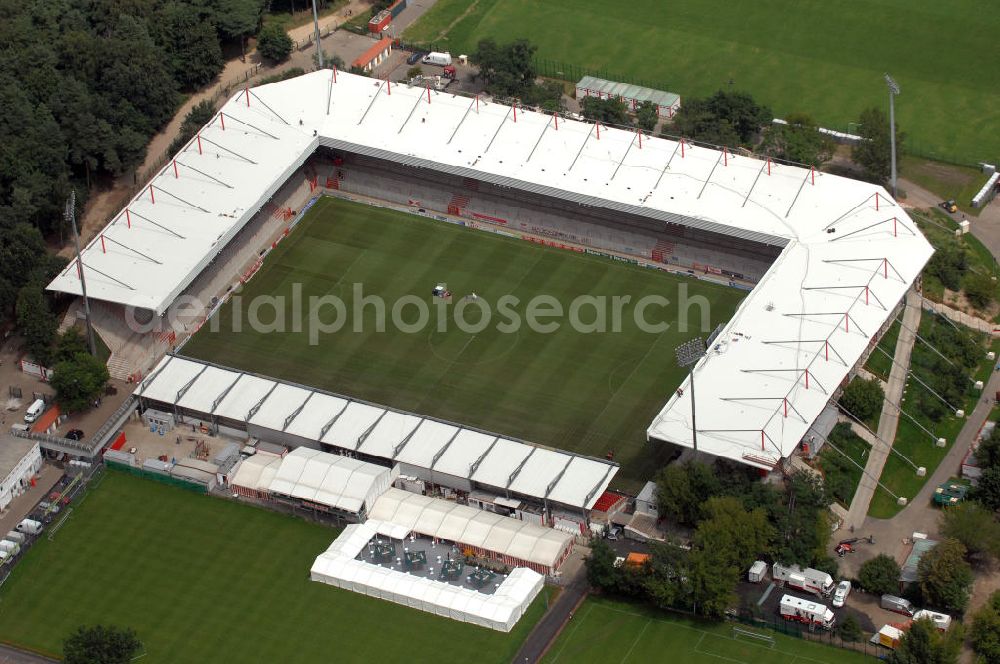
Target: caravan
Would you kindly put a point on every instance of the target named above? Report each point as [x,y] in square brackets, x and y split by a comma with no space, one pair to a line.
[807,580]
[807,611]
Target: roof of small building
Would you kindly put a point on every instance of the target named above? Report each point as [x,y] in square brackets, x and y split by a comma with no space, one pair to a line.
[627,90]
[12,450]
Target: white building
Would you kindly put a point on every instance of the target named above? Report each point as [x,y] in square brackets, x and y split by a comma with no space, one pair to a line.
[20,460]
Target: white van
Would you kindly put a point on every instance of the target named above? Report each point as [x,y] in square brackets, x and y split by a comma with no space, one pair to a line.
[35,411]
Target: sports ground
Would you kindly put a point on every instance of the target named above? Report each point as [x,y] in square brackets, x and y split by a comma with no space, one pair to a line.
[607,631]
[823,58]
[585,392]
[208,580]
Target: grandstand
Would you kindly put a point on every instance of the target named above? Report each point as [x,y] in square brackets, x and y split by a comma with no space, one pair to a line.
[831,257]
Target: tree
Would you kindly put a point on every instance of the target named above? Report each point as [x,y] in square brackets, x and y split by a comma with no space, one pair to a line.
[37,322]
[874,152]
[924,644]
[987,490]
[78,381]
[972,525]
[274,43]
[601,570]
[682,489]
[413,72]
[508,70]
[945,577]
[610,111]
[880,575]
[797,141]
[988,451]
[979,289]
[739,535]
[725,118]
[646,116]
[101,645]
[985,631]
[711,582]
[949,263]
[849,629]
[187,34]
[863,398]
[196,118]
[70,344]
[238,19]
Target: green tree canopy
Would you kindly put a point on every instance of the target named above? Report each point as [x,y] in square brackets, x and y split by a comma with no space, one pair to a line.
[101,645]
[508,70]
[924,644]
[797,141]
[78,381]
[974,526]
[682,489]
[945,577]
[863,398]
[274,43]
[742,536]
[880,575]
[610,111]
[985,631]
[987,490]
[725,118]
[37,322]
[874,152]
[238,19]
[646,116]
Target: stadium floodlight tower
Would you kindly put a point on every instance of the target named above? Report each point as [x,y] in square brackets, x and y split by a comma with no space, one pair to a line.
[893,91]
[319,47]
[688,354]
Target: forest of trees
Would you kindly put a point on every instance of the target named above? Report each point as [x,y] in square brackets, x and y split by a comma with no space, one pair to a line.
[84,84]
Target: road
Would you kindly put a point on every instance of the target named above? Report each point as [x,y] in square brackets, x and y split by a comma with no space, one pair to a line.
[11,655]
[889,419]
[554,620]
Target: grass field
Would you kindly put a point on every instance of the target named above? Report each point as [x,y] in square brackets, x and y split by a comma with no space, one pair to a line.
[207,580]
[823,58]
[608,631]
[589,393]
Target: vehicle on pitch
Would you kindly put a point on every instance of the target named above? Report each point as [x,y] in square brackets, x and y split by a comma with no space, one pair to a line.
[807,611]
[897,605]
[950,493]
[840,593]
[439,59]
[34,411]
[949,205]
[807,580]
[414,57]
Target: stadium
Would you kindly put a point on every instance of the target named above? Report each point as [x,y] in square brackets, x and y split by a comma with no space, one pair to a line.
[817,263]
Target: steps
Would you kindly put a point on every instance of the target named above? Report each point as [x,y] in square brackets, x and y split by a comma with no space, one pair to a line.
[118,367]
[662,250]
[458,203]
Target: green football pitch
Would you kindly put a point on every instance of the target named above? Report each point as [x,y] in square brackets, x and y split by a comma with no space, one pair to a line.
[207,580]
[814,56]
[607,631]
[590,393]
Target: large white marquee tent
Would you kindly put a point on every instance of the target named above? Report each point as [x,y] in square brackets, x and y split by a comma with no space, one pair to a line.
[500,610]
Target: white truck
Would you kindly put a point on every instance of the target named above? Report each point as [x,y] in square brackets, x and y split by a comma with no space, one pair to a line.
[439,59]
[807,611]
[807,580]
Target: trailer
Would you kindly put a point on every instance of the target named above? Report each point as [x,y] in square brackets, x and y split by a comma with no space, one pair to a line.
[807,580]
[807,612]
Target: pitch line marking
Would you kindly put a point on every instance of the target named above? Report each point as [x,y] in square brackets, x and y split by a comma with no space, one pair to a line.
[637,639]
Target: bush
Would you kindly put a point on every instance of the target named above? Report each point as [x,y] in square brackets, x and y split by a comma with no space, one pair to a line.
[274,43]
[979,290]
[944,576]
[880,575]
[196,118]
[413,72]
[863,398]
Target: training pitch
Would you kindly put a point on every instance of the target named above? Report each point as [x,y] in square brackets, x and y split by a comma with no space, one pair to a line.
[826,59]
[589,393]
[207,580]
[607,631]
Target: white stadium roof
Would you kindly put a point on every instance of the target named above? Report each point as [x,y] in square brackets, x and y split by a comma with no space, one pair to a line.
[850,251]
[329,479]
[488,459]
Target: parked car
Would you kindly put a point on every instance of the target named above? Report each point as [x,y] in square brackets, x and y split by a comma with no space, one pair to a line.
[898,605]
[614,532]
[34,411]
[75,434]
[414,58]
[841,592]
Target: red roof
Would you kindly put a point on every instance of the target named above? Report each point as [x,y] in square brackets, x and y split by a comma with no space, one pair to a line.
[47,419]
[378,49]
[607,500]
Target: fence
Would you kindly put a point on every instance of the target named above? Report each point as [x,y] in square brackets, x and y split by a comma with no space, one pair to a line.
[828,637]
[158,477]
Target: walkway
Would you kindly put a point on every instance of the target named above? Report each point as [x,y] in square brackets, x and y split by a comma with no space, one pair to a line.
[889,419]
[961,317]
[552,623]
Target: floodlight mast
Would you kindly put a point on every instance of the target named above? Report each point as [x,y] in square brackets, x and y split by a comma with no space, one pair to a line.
[71,218]
[319,48]
[893,91]
[688,354]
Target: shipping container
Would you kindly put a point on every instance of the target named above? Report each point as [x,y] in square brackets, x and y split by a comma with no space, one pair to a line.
[380,22]
[397,7]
